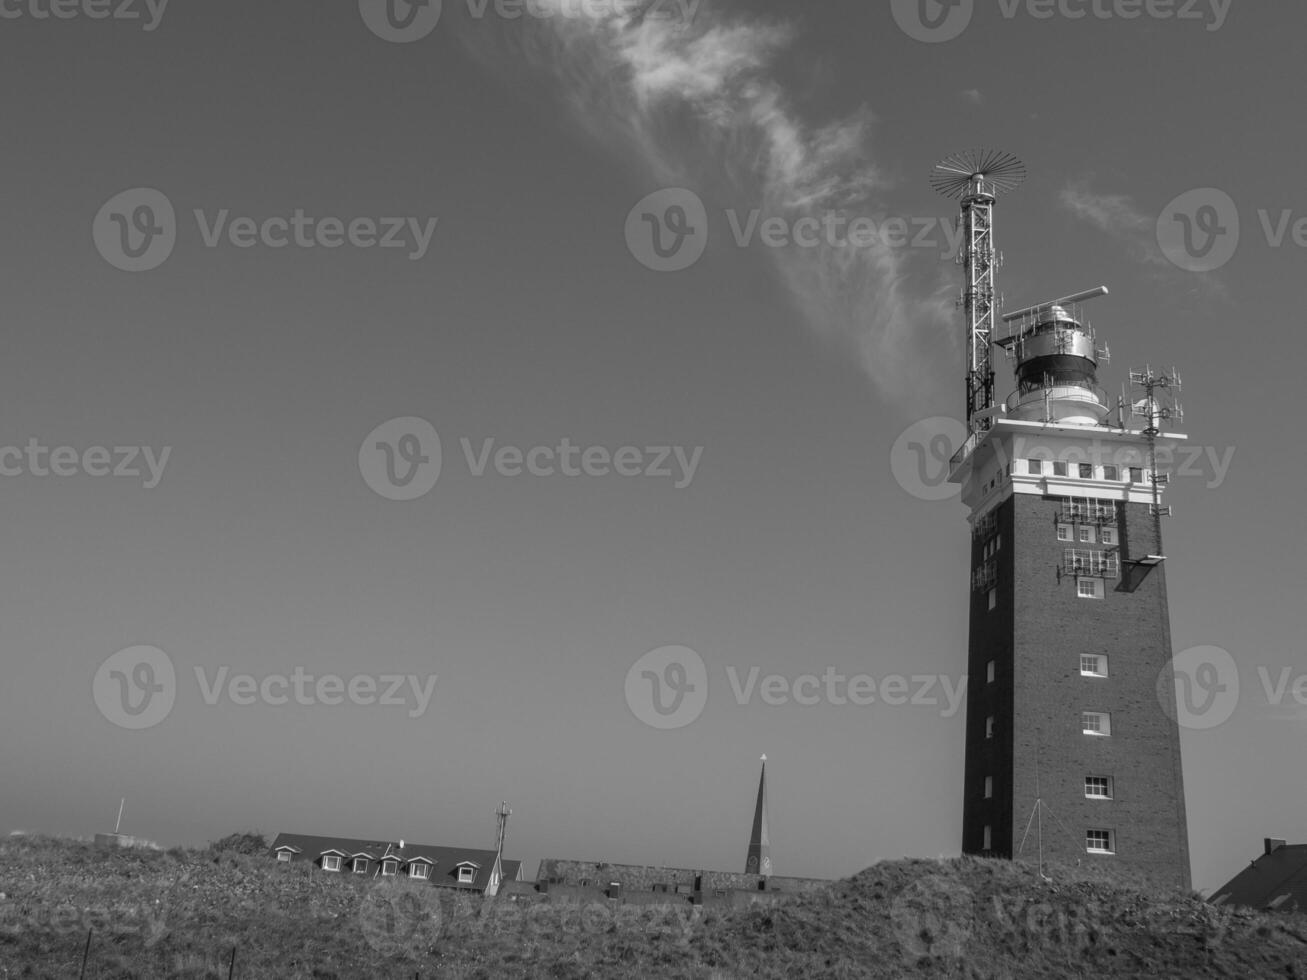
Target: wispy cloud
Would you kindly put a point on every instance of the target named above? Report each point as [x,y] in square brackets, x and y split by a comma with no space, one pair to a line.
[1119,216]
[700,100]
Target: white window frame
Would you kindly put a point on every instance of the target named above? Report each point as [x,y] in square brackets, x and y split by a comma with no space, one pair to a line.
[1096,590]
[1102,726]
[419,870]
[1059,467]
[1035,467]
[390,863]
[331,862]
[1100,666]
[466,875]
[1107,535]
[1093,783]
[1095,835]
[354,866]
[1087,535]
[1065,533]
[284,856]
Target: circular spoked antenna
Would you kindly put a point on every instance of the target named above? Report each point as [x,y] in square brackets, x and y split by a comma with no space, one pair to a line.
[992,172]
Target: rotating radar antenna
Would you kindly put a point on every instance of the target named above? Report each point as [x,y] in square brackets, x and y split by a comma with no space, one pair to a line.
[978,178]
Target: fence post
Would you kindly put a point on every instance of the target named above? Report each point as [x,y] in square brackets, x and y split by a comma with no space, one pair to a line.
[85,953]
[231,967]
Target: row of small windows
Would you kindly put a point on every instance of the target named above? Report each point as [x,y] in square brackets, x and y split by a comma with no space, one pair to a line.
[1096,841]
[1096,787]
[1091,665]
[1087,534]
[418,868]
[1085,471]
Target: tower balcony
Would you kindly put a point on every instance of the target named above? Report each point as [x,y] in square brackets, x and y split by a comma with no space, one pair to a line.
[1074,403]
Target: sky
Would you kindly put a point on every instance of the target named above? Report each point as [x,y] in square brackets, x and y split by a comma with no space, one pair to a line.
[258,257]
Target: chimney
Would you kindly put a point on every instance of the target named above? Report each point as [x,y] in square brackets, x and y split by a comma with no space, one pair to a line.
[1273,844]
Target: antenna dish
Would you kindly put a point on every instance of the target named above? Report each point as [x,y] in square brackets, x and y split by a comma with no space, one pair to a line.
[993,172]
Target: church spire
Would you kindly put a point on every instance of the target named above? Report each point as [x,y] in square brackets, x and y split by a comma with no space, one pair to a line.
[759,860]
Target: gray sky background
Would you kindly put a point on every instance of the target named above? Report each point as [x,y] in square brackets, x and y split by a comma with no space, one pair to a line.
[794,548]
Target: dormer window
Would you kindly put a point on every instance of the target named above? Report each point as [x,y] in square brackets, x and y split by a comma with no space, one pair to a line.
[466,874]
[419,869]
[331,862]
[389,867]
[360,866]
[283,855]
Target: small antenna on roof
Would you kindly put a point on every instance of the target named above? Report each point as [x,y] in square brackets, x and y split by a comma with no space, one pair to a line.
[121,803]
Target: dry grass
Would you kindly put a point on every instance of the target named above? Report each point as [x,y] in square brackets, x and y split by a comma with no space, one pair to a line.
[179,914]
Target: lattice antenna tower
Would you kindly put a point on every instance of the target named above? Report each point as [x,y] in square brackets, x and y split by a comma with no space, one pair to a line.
[978,178]
[1157,405]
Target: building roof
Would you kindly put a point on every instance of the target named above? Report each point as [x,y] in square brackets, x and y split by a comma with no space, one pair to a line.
[1276,881]
[445,861]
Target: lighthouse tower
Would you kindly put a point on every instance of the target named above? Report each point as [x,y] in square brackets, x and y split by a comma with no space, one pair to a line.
[1072,755]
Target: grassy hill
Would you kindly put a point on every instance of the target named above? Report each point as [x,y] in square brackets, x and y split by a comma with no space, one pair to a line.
[180,914]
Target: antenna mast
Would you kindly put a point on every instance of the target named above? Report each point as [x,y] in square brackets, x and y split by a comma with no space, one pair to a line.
[978,178]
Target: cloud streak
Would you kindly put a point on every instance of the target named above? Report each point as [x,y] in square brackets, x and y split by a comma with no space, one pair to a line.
[698,98]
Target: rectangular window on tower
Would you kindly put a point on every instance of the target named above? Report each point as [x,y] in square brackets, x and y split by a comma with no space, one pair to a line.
[1112,473]
[1107,535]
[988,842]
[1086,471]
[989,787]
[1136,474]
[1036,466]
[1098,787]
[1089,588]
[989,727]
[1059,468]
[1096,723]
[1099,842]
[1093,665]
[1087,535]
[993,598]
[989,672]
